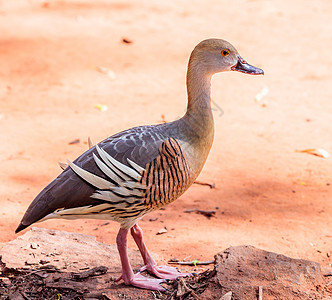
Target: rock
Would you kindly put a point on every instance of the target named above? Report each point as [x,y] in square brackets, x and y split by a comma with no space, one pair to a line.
[34,246]
[243,269]
[227,296]
[67,251]
[5,280]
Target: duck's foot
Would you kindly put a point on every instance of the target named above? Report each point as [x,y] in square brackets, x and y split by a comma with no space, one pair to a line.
[143,282]
[164,272]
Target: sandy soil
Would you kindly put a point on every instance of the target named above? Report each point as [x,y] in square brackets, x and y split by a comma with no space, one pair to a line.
[267,195]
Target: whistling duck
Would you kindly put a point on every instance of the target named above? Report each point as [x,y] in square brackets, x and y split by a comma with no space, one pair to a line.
[143,168]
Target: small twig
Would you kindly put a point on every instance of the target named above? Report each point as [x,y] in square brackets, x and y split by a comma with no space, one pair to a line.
[163,120]
[192,263]
[206,213]
[76,141]
[95,295]
[211,185]
[126,41]
[260,293]
[24,295]
[92,272]
[32,272]
[181,292]
[90,144]
[104,224]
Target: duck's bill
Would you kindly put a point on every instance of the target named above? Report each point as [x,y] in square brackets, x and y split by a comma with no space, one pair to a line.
[244,67]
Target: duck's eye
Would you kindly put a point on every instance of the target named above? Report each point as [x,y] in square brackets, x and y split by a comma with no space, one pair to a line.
[225,52]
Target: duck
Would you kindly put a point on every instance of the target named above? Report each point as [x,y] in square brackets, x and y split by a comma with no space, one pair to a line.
[142,169]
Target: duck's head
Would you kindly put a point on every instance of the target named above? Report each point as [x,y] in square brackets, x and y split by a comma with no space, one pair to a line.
[216,55]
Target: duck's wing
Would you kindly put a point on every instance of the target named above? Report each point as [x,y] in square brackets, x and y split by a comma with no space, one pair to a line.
[129,192]
[133,148]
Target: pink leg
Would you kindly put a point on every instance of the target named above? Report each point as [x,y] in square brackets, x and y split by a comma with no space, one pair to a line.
[165,272]
[128,275]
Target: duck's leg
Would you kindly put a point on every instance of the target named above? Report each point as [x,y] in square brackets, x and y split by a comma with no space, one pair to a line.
[165,272]
[128,275]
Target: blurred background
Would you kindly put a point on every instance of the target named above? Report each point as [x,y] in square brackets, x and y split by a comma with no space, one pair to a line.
[70,70]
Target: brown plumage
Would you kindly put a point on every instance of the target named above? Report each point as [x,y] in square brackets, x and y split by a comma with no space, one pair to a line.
[144,168]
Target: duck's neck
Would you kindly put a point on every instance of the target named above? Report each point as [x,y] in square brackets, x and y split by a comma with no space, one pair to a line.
[199,116]
[196,127]
[199,92]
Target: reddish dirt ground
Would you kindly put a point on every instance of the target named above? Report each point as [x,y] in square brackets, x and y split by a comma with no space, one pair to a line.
[267,195]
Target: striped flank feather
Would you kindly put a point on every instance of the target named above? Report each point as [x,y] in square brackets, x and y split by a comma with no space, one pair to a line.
[167,177]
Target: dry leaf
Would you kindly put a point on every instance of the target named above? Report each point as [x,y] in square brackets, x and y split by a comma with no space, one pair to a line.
[162,230]
[262,94]
[63,165]
[111,75]
[101,107]
[46,5]
[315,151]
[79,18]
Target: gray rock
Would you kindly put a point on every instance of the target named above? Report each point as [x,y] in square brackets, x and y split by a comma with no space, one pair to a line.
[72,252]
[244,270]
